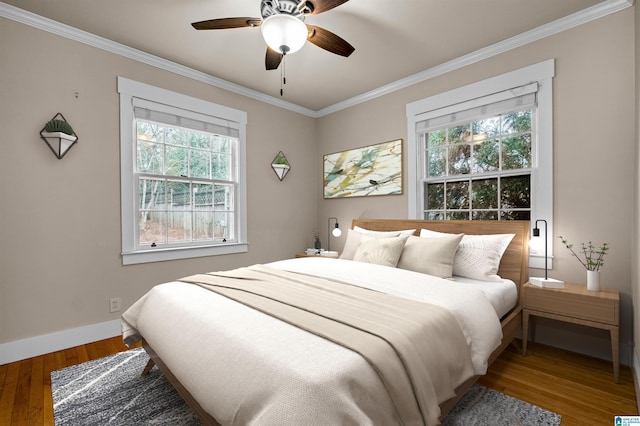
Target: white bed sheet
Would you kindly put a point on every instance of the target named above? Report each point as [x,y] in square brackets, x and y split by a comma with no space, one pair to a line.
[246,367]
[468,305]
[503,295]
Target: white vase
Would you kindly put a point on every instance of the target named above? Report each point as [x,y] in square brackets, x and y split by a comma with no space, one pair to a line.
[593,280]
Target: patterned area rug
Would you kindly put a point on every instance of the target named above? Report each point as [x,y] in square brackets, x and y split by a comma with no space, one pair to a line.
[110,391]
[482,406]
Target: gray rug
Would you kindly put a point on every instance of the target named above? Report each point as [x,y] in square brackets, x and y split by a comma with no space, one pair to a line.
[110,391]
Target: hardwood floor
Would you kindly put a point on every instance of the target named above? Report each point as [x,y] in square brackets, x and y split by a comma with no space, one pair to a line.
[579,388]
[25,386]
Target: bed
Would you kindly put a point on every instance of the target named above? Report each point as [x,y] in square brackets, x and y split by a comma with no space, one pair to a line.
[237,364]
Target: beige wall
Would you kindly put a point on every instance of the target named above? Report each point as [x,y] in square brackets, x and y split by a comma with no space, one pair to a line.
[60,219]
[593,165]
[635,269]
[60,227]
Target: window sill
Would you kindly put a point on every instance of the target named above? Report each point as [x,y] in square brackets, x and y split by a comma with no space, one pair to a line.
[537,261]
[161,255]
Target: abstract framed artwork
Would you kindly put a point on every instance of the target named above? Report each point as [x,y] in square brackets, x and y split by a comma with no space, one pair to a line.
[367,171]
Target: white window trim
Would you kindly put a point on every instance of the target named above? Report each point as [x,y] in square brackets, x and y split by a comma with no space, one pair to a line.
[542,152]
[128,89]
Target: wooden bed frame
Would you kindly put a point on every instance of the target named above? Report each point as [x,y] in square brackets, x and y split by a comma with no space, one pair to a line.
[514,266]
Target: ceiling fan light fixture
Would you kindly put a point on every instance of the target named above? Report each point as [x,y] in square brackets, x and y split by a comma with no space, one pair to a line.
[284,33]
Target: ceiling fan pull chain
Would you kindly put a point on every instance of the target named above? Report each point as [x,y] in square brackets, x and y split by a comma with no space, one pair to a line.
[283,76]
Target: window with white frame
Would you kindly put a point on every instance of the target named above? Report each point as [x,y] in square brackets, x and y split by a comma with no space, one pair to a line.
[484,151]
[477,162]
[183,175]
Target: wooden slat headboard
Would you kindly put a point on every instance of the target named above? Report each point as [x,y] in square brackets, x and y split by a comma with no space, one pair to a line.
[515,261]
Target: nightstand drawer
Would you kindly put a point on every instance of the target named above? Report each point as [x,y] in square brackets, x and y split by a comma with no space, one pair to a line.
[583,306]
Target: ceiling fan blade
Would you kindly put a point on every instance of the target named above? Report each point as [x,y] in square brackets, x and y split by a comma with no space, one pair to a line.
[272,59]
[320,6]
[329,41]
[226,23]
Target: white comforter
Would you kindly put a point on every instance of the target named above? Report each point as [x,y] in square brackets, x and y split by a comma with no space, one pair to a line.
[245,367]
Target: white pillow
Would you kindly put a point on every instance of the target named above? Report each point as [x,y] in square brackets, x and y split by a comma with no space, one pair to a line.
[353,242]
[433,256]
[478,256]
[353,239]
[381,251]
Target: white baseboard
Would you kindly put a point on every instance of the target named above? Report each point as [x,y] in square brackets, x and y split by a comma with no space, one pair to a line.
[44,344]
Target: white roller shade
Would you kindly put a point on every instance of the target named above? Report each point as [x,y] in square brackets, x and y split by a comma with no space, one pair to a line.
[159,113]
[518,98]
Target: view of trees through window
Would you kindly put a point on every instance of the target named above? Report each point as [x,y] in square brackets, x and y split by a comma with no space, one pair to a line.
[480,169]
[186,185]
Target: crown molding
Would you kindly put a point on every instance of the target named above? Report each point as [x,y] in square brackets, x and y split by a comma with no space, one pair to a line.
[600,10]
[63,30]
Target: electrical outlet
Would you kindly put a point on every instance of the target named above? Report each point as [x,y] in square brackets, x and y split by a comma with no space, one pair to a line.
[114,304]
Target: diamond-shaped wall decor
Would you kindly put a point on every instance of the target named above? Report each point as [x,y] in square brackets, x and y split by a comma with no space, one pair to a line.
[280,165]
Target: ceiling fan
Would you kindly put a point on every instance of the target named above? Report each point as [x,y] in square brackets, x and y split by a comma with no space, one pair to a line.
[284,30]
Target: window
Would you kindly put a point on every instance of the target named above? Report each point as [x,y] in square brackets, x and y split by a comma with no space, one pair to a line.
[478,169]
[484,151]
[183,173]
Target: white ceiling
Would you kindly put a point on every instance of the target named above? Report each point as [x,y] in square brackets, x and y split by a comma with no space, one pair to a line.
[394,39]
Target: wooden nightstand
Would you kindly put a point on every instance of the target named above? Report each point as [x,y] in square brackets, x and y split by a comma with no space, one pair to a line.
[335,256]
[577,305]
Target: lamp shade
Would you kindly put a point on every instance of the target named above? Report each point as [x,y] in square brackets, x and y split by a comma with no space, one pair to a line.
[284,33]
[536,243]
[336,231]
